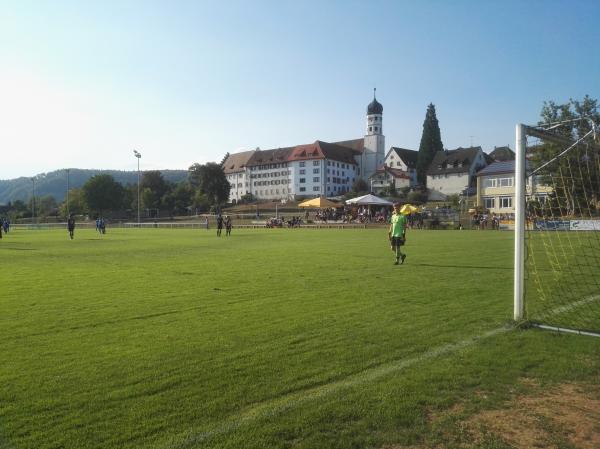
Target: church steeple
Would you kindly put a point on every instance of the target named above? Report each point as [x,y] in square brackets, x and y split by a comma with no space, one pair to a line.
[374,107]
[374,117]
[374,141]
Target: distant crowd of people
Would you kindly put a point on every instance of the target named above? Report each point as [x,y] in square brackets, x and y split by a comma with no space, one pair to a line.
[280,222]
[485,221]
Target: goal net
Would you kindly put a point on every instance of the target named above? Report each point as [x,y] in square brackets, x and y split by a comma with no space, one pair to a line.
[557,227]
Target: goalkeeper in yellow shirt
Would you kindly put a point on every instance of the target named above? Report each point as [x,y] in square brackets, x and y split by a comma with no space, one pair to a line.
[397,233]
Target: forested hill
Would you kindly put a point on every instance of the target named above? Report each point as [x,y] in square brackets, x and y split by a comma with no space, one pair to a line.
[55,183]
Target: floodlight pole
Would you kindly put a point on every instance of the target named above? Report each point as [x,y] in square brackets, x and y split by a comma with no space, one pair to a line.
[33,202]
[521,144]
[68,212]
[138,156]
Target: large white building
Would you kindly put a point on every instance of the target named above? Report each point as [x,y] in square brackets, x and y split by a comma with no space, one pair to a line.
[308,170]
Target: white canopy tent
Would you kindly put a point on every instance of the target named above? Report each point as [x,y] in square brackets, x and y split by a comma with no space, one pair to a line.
[369,200]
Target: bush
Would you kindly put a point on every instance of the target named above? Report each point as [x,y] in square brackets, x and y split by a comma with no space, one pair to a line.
[417,197]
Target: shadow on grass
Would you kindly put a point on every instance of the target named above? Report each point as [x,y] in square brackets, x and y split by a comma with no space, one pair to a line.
[478,267]
[108,322]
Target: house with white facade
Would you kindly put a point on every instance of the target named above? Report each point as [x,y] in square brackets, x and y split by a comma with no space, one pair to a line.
[452,172]
[404,160]
[235,171]
[385,177]
[496,188]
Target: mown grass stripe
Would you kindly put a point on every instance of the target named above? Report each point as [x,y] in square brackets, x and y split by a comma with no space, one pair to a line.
[281,404]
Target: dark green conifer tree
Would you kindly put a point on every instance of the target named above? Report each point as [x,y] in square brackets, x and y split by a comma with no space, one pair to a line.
[431,142]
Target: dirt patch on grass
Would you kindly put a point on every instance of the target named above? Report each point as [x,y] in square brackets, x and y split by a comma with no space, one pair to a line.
[565,414]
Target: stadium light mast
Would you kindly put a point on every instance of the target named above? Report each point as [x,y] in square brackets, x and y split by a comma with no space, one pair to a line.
[138,156]
[68,213]
[33,202]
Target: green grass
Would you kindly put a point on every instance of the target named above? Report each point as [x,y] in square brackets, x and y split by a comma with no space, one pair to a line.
[283,338]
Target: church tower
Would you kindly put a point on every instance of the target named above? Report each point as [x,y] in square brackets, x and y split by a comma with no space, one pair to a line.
[374,143]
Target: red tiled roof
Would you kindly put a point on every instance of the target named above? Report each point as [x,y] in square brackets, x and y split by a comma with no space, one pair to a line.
[274,156]
[395,172]
[308,151]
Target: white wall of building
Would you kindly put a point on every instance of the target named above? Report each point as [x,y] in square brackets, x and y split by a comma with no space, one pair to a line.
[271,181]
[239,185]
[448,183]
[339,177]
[394,161]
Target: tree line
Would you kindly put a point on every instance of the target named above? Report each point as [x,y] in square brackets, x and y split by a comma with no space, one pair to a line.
[205,188]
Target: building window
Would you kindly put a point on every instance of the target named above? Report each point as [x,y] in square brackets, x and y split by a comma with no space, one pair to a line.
[316,179]
[489,203]
[370,128]
[505,202]
[302,164]
[316,188]
[315,171]
[302,189]
[302,180]
[506,182]
[490,182]
[315,162]
[302,171]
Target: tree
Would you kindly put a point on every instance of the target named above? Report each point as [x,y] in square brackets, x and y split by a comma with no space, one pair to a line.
[431,143]
[178,199]
[211,182]
[580,194]
[454,200]
[247,198]
[18,209]
[417,197]
[224,159]
[392,189]
[46,205]
[154,187]
[360,186]
[76,204]
[102,193]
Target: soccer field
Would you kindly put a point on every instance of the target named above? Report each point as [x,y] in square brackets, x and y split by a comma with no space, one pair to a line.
[271,338]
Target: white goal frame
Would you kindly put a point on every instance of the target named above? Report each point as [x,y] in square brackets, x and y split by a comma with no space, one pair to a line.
[521,133]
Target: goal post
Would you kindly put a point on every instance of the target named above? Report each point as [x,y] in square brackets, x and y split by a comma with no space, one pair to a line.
[521,147]
[557,226]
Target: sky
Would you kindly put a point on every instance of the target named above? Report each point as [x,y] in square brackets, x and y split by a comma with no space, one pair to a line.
[84,83]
